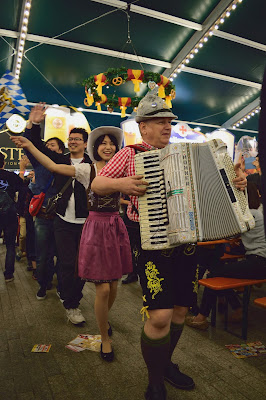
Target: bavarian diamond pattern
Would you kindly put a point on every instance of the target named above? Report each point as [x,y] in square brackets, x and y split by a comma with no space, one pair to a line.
[18,98]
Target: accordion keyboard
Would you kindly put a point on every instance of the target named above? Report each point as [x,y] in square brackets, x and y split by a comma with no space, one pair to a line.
[152,206]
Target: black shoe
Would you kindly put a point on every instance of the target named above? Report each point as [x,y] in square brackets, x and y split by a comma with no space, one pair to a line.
[177,378]
[132,277]
[110,330]
[29,268]
[9,278]
[41,295]
[156,392]
[109,357]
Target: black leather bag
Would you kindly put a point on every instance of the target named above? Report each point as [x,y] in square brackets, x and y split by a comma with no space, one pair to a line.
[52,202]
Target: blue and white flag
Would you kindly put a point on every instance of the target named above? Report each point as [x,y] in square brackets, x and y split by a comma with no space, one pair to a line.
[12,98]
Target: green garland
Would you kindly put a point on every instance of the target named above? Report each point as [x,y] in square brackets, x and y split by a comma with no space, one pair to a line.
[111,73]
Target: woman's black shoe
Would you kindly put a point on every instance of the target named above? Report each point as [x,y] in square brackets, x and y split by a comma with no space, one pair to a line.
[107,356]
[110,330]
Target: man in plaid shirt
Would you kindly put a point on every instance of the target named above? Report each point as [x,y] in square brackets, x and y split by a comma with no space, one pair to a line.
[167,277]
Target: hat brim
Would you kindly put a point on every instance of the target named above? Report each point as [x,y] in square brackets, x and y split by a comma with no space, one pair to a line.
[169,114]
[103,130]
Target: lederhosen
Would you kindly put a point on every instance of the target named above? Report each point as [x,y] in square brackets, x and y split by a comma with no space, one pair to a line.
[167,277]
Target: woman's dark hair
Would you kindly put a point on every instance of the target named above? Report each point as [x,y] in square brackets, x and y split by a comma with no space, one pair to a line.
[253,196]
[59,142]
[99,141]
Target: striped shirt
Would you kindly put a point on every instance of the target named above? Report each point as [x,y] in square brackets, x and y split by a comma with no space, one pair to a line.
[122,165]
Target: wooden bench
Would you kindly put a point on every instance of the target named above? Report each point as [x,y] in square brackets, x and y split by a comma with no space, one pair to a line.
[227,256]
[221,283]
[261,302]
[230,257]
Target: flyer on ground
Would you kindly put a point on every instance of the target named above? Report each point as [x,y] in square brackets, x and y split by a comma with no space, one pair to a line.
[244,350]
[85,342]
[41,348]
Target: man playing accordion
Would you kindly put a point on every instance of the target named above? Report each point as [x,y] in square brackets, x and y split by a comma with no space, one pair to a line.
[168,277]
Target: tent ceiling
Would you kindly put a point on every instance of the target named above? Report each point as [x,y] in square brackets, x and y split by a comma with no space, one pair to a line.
[218,86]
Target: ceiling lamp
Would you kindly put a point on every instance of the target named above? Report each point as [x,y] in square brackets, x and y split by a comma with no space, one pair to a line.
[204,39]
[246,117]
[22,37]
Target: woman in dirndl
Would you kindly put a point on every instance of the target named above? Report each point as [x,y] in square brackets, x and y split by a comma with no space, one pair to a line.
[104,251]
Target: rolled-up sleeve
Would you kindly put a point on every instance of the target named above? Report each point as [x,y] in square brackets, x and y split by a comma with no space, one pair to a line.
[83,174]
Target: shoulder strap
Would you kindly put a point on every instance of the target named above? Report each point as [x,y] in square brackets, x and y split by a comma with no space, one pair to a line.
[64,188]
[93,173]
[138,147]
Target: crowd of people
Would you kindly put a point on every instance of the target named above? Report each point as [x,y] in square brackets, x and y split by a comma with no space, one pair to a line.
[91,243]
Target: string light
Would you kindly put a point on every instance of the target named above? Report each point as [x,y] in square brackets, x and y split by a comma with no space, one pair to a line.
[22,37]
[199,45]
[246,117]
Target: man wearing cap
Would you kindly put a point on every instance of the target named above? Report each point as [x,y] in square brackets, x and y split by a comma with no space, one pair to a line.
[167,277]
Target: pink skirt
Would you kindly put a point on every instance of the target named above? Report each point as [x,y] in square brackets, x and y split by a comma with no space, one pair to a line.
[104,252]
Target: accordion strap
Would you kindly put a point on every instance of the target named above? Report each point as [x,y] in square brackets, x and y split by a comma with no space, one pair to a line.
[138,147]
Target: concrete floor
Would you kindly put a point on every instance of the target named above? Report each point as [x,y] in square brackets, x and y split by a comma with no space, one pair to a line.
[65,375]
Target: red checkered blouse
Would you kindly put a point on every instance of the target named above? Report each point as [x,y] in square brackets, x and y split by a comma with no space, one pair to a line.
[121,165]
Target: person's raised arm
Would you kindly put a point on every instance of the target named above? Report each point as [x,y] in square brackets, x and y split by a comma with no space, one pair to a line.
[33,133]
[62,169]
[37,115]
[24,162]
[130,185]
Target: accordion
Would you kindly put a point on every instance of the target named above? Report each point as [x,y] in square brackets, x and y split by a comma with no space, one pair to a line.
[191,197]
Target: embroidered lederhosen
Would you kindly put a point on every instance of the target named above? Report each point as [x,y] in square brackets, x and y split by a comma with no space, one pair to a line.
[168,277]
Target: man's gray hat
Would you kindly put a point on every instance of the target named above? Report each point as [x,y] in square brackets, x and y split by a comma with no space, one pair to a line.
[103,130]
[152,106]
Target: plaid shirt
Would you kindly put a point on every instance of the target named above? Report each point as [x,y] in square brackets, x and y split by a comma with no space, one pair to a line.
[121,165]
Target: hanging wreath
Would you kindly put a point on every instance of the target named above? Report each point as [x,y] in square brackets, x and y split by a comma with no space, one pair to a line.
[118,76]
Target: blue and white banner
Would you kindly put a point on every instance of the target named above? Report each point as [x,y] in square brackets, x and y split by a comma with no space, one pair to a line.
[12,98]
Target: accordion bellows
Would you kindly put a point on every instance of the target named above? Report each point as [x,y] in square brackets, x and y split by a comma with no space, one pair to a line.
[190,197]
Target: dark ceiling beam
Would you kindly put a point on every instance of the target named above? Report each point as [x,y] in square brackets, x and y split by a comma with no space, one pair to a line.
[151,13]
[15,59]
[226,78]
[239,40]
[86,48]
[242,113]
[197,36]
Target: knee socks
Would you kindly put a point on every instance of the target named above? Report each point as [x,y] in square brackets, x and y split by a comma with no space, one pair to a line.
[175,333]
[156,356]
